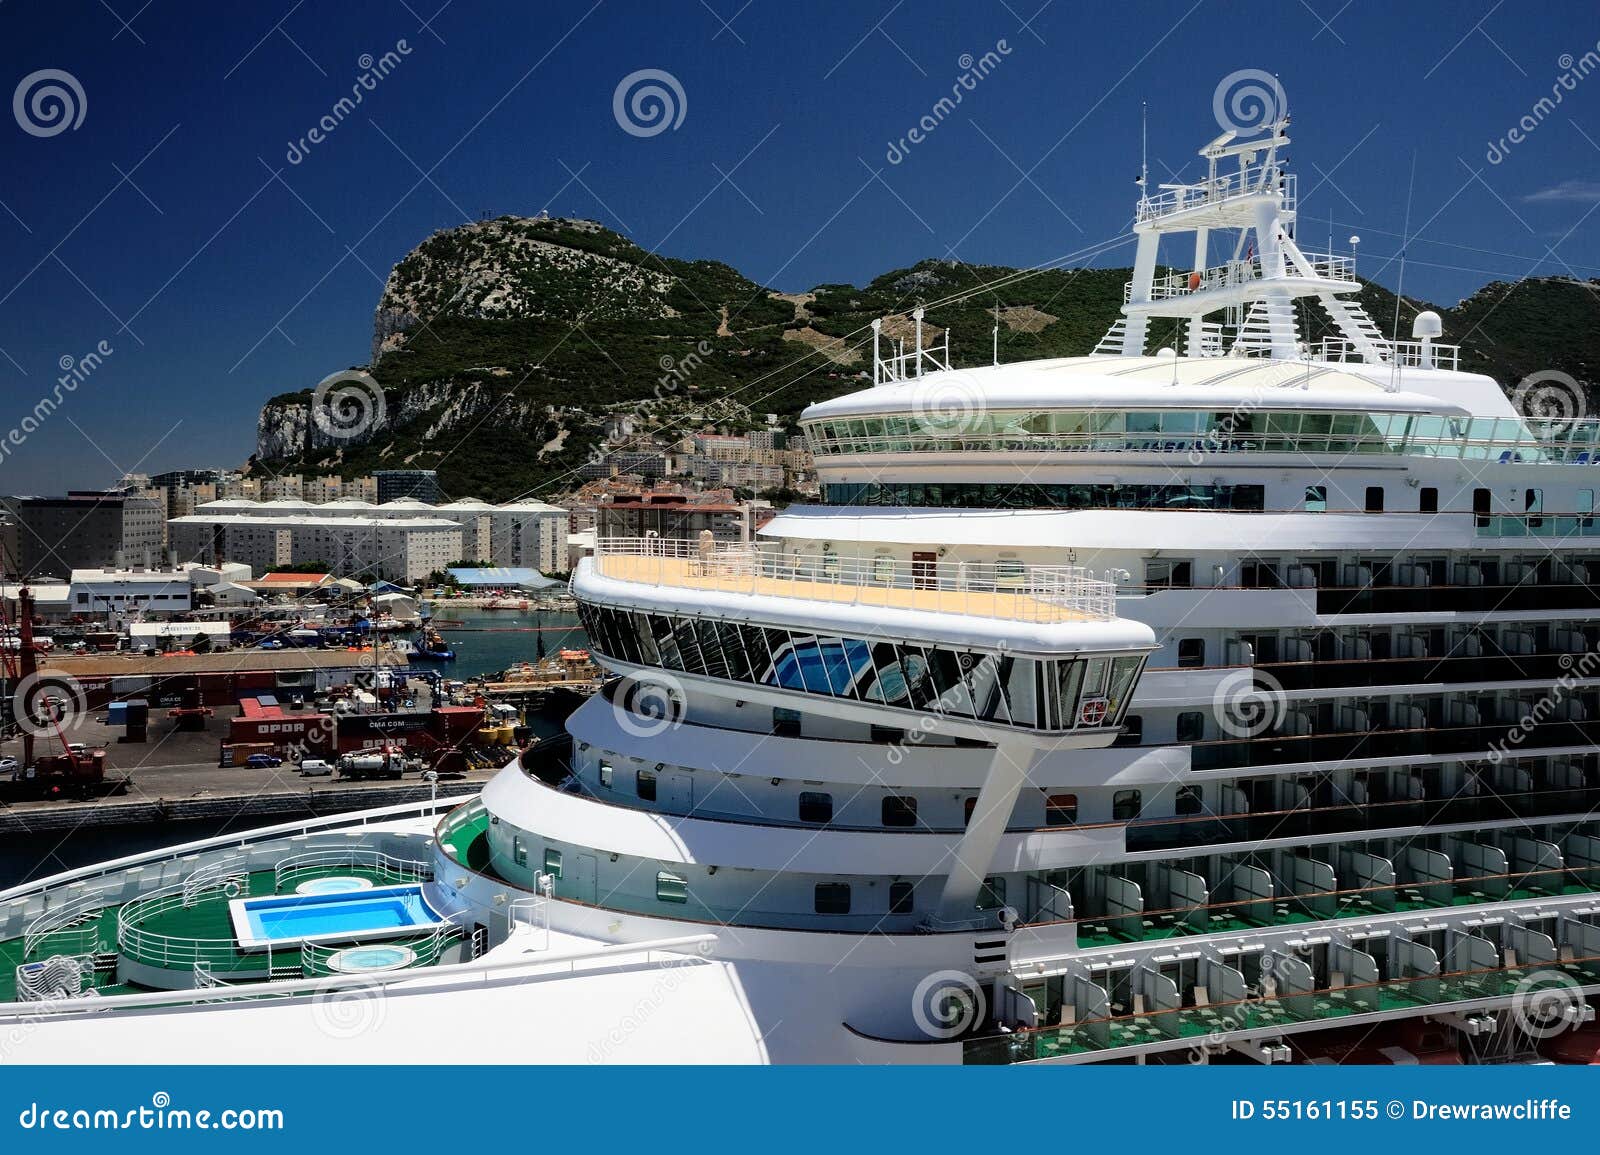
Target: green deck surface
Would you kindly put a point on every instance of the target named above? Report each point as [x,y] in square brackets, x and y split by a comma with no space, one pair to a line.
[209,919]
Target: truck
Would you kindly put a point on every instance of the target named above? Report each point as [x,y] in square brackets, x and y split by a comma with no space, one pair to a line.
[388,762]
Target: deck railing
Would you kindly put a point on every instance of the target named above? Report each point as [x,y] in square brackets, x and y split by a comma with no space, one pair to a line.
[1211,193]
[72,928]
[1332,267]
[388,869]
[316,959]
[1009,591]
[137,942]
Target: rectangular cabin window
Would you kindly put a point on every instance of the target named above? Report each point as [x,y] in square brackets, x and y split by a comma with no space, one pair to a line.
[605,774]
[1532,505]
[1125,805]
[1191,651]
[1481,506]
[887,735]
[1191,726]
[1169,575]
[785,723]
[1586,508]
[552,862]
[832,898]
[1316,499]
[1428,500]
[1189,801]
[902,898]
[816,806]
[1132,731]
[671,888]
[1060,809]
[967,808]
[519,851]
[1374,499]
[644,785]
[899,810]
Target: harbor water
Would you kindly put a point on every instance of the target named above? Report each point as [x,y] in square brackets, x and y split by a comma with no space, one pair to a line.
[489,640]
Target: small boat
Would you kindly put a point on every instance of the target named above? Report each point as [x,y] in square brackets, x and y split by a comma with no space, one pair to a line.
[432,647]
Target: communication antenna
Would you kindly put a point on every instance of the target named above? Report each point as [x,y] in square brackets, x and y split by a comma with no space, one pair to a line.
[996,333]
[1144,149]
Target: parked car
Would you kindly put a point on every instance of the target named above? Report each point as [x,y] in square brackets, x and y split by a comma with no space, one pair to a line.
[270,644]
[257,761]
[317,766]
[9,765]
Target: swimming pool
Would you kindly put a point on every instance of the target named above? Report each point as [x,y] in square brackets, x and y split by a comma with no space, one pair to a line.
[288,919]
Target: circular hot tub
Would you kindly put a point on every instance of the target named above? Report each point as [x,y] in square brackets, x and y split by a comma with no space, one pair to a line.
[338,884]
[368,959]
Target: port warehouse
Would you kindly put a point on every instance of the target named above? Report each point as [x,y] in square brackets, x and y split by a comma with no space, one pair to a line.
[234,679]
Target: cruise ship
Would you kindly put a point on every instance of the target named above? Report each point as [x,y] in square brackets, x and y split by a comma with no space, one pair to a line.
[1186,702]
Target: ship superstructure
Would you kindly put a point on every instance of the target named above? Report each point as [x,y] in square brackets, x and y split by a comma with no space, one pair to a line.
[1159,702]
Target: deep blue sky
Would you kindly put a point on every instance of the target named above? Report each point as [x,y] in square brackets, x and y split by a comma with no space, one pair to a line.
[217,285]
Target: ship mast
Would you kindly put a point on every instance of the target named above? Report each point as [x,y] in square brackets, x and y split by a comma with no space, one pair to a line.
[1245,306]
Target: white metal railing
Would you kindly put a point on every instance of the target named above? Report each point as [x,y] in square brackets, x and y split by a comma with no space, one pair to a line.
[229,874]
[448,976]
[430,807]
[1328,266]
[1410,354]
[1010,591]
[388,868]
[80,916]
[316,958]
[1231,186]
[136,941]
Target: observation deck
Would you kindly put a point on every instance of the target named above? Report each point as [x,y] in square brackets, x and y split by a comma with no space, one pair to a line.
[1002,591]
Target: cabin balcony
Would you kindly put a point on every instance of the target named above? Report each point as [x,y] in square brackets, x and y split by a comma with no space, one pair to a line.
[1291,997]
[1002,591]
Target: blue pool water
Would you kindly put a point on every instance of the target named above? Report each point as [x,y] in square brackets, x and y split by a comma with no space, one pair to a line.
[357,915]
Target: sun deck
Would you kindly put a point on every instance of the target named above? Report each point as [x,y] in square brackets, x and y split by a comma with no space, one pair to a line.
[1001,591]
[108,939]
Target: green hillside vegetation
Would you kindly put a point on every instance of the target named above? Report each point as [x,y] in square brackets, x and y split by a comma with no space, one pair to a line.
[519,401]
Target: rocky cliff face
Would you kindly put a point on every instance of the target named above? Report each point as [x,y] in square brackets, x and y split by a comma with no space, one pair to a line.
[519,267]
